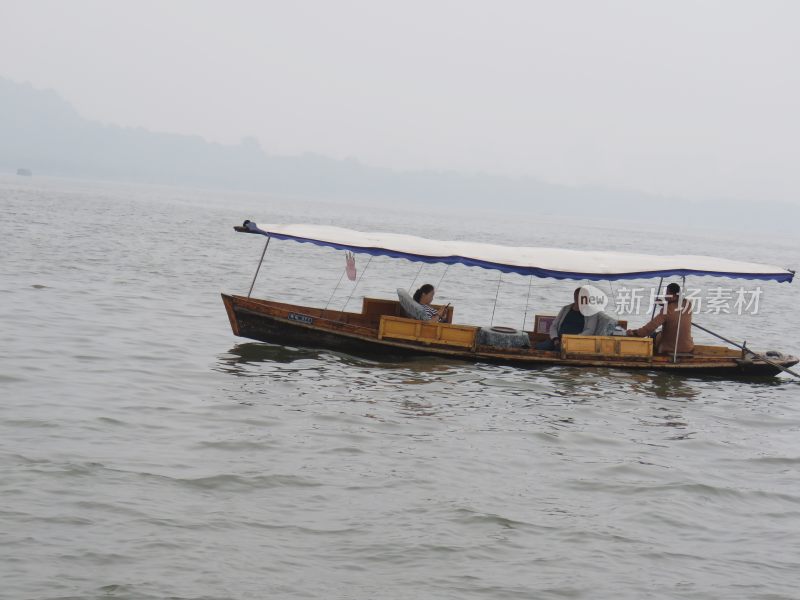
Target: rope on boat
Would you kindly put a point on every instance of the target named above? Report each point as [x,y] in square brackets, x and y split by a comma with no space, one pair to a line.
[525,316]
[354,288]
[442,277]
[410,290]
[334,289]
[499,279]
[259,266]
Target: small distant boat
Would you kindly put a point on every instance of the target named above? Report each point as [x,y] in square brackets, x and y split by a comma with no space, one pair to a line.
[383,326]
[25,172]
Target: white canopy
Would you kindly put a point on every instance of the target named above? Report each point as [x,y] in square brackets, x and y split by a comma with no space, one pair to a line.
[540,262]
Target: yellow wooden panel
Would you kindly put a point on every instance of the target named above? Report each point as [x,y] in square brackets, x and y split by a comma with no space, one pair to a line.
[635,346]
[459,335]
[607,345]
[426,332]
[579,344]
[403,329]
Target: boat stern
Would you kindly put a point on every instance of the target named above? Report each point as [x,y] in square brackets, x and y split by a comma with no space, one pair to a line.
[752,365]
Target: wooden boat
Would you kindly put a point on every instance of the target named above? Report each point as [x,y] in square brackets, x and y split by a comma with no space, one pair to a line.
[383,328]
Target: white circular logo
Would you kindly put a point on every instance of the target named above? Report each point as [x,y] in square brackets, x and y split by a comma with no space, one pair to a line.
[591,300]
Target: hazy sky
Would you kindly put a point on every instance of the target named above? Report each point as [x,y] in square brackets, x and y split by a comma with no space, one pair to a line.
[694,98]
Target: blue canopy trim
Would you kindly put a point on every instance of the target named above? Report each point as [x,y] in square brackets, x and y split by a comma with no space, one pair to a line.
[787,276]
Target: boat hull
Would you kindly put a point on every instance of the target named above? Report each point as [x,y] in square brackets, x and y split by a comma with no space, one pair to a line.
[273,330]
[293,325]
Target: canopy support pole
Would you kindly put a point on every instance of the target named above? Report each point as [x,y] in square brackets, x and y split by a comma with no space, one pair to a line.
[259,266]
[658,293]
[354,287]
[680,314]
[527,300]
[499,279]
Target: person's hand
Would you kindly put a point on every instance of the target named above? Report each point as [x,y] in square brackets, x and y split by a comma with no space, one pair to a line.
[557,343]
[442,312]
[630,333]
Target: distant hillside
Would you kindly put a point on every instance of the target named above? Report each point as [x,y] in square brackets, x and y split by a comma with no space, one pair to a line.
[41,131]
[38,129]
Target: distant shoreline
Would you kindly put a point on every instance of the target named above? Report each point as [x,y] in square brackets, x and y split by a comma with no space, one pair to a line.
[555,219]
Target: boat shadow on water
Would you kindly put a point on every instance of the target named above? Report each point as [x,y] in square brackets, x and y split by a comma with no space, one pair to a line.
[236,360]
[244,359]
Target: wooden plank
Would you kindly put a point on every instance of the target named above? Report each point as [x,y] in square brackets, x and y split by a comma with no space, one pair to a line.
[717,351]
[426,332]
[608,346]
[632,346]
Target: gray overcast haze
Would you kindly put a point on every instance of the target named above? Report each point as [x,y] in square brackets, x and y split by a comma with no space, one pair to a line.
[697,99]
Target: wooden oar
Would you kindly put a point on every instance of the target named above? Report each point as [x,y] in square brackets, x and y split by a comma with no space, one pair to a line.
[746,349]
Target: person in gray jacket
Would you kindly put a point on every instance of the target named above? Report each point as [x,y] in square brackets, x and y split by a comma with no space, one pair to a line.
[570,320]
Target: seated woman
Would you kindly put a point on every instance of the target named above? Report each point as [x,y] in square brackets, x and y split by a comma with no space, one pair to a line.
[424,296]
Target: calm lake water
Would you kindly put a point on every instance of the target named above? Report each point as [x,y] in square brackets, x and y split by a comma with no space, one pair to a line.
[146,452]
